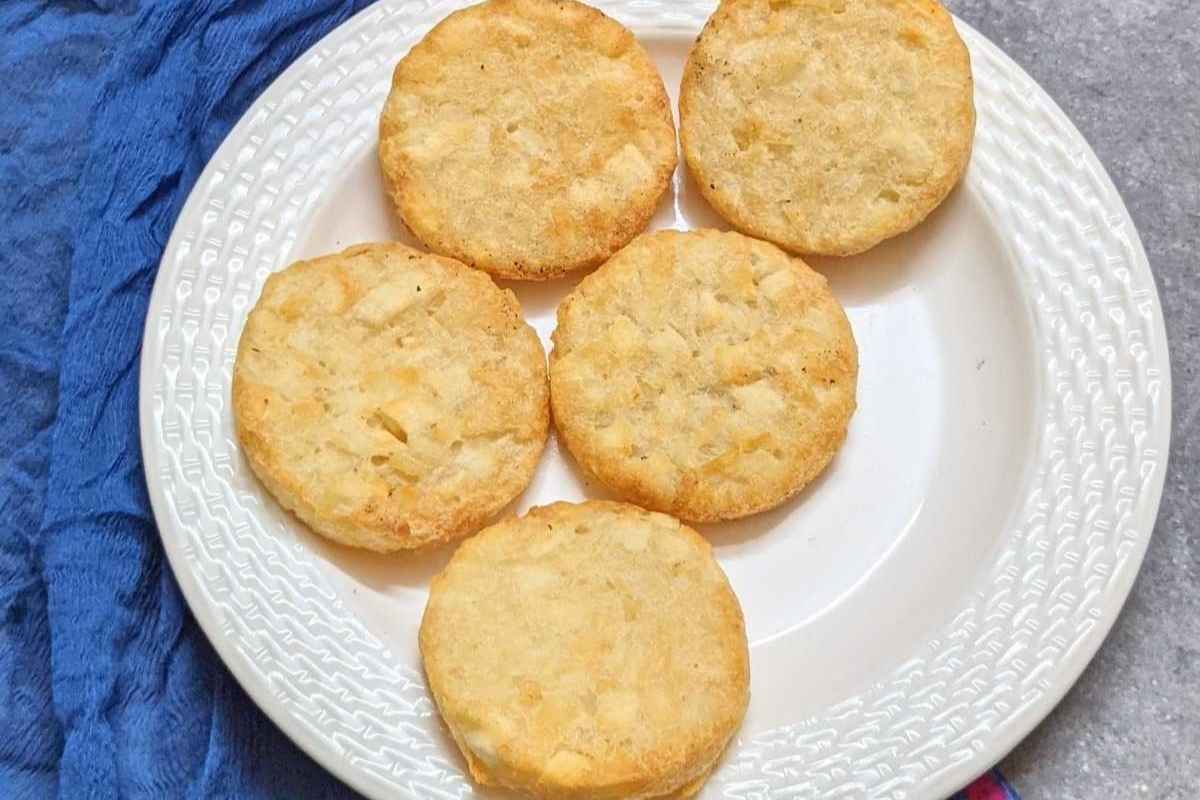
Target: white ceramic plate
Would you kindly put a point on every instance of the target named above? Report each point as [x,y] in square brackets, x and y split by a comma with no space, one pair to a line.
[912,615]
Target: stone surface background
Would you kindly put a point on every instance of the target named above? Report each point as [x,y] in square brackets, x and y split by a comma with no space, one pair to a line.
[1127,72]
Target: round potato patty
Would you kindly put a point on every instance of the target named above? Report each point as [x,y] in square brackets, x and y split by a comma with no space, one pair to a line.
[827,126]
[706,375]
[587,651]
[527,138]
[392,399]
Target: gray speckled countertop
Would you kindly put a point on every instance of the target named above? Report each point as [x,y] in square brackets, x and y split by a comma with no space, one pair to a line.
[1127,72]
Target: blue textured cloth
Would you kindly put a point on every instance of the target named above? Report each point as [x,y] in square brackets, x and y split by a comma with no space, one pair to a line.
[108,112]
[109,109]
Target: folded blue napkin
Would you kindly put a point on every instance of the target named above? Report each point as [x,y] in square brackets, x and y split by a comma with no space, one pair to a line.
[110,109]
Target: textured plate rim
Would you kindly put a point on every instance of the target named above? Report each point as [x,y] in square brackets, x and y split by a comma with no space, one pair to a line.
[941,782]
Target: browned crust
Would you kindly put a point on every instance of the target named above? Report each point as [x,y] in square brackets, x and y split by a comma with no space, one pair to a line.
[713,181]
[407,519]
[664,763]
[581,239]
[678,484]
